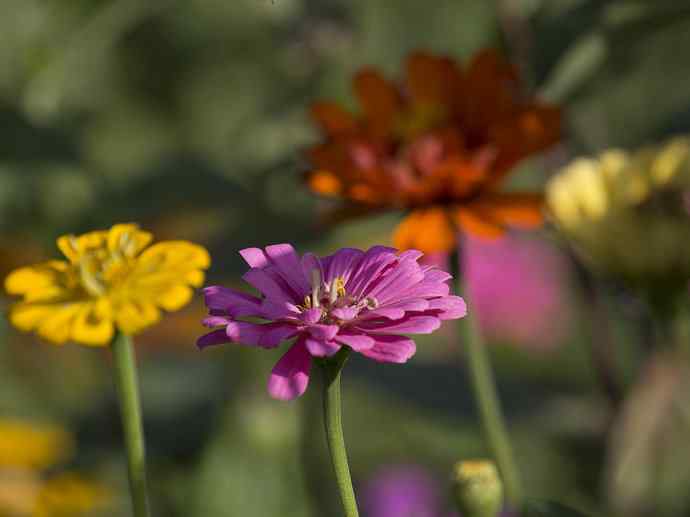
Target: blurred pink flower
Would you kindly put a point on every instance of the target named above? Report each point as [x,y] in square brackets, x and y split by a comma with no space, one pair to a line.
[368,301]
[409,491]
[403,491]
[518,287]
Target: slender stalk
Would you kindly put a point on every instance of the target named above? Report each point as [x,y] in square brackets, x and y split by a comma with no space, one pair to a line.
[332,412]
[130,408]
[486,398]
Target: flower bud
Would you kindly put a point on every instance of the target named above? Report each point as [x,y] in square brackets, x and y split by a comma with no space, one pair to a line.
[477,488]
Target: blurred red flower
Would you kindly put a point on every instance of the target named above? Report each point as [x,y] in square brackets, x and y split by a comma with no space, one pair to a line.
[437,145]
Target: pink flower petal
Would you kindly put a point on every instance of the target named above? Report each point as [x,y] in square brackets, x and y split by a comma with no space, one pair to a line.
[345,313]
[342,263]
[268,335]
[407,325]
[215,321]
[311,262]
[217,337]
[395,311]
[270,286]
[229,301]
[311,316]
[287,262]
[391,349]
[290,376]
[374,261]
[273,310]
[255,257]
[323,332]
[357,342]
[321,348]
[449,307]
[407,273]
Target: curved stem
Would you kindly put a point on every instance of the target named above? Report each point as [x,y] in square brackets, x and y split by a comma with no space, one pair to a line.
[486,398]
[332,412]
[130,408]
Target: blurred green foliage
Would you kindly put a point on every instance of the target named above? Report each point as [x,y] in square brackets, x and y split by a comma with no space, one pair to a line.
[190,117]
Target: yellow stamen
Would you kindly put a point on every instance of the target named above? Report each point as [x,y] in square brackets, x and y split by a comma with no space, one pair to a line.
[340,286]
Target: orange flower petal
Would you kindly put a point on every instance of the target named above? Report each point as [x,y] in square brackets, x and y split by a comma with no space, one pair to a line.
[324,182]
[363,193]
[429,230]
[332,119]
[430,78]
[379,100]
[490,85]
[522,210]
[465,176]
[477,222]
[530,132]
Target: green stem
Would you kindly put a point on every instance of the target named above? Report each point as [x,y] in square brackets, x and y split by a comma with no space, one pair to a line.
[486,399]
[332,412]
[128,394]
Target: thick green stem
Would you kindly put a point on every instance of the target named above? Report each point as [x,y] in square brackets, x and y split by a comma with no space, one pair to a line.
[334,430]
[130,408]
[486,398]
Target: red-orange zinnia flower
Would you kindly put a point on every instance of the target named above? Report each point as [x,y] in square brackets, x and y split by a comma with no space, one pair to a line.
[437,146]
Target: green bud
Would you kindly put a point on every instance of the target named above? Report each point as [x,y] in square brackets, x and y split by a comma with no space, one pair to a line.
[478,489]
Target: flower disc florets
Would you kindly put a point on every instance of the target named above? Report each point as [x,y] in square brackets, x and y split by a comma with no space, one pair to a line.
[363,300]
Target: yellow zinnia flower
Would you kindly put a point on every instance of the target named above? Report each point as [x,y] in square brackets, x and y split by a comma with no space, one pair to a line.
[26,446]
[627,212]
[111,280]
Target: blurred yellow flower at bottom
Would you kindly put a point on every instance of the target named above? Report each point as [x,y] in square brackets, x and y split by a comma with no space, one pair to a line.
[112,280]
[69,495]
[31,446]
[18,493]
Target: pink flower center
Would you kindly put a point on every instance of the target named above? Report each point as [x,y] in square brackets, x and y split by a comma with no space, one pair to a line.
[337,306]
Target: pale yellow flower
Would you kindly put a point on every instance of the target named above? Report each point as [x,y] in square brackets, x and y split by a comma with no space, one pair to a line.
[112,279]
[25,446]
[627,212]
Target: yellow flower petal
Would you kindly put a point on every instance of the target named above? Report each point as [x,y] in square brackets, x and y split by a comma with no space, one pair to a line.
[195,278]
[172,254]
[57,325]
[27,316]
[127,239]
[74,247]
[132,317]
[91,327]
[175,298]
[67,245]
[27,279]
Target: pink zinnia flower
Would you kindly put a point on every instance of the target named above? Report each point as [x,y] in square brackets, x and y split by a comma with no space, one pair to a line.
[364,300]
